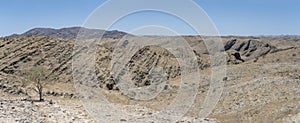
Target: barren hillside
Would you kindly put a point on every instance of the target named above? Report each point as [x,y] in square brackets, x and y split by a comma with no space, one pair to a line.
[262,82]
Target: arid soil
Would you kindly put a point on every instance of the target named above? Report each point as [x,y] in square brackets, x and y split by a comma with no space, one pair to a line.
[262,82]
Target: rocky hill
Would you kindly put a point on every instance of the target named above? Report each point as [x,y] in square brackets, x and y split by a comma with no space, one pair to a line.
[262,83]
[71,33]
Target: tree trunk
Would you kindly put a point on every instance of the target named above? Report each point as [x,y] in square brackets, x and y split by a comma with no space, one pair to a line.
[41,96]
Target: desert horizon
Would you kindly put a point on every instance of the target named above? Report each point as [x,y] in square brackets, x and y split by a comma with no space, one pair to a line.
[228,35]
[150,61]
[253,64]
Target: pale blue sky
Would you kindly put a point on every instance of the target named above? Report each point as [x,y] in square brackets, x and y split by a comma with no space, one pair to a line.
[231,17]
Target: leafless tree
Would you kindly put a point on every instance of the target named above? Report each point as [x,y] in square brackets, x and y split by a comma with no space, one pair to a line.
[40,76]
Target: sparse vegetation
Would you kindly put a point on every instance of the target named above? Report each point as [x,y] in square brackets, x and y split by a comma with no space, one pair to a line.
[40,76]
[262,74]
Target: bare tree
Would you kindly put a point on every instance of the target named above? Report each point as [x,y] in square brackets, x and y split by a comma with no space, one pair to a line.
[40,76]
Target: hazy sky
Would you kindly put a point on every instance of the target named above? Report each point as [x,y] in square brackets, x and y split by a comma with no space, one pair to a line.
[231,17]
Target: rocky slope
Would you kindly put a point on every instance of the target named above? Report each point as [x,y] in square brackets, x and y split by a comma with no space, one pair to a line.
[262,83]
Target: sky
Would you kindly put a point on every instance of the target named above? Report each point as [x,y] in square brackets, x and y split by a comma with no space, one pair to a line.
[231,17]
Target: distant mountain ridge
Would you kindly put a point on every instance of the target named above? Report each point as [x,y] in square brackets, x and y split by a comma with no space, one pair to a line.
[72,32]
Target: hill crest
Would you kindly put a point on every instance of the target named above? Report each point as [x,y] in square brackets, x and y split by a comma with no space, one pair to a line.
[72,32]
